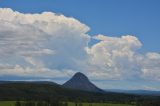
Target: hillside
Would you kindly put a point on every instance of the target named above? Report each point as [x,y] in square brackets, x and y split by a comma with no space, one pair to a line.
[46,91]
[81,82]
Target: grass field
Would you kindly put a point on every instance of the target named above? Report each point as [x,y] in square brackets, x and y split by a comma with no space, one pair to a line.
[12,103]
[7,103]
[98,104]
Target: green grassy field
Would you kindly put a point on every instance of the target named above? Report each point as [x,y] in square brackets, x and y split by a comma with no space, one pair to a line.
[98,104]
[7,103]
[12,103]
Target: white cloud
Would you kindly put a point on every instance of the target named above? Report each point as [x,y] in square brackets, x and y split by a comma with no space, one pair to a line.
[49,45]
[114,56]
[118,58]
[35,72]
[151,66]
[153,56]
[40,43]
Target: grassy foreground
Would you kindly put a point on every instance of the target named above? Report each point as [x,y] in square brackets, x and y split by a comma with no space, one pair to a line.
[7,103]
[98,104]
[12,103]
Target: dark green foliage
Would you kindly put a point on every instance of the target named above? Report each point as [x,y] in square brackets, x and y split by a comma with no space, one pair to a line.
[44,92]
[76,104]
[53,103]
[65,104]
[148,102]
[80,104]
[53,94]
[39,103]
[17,103]
[29,103]
[90,104]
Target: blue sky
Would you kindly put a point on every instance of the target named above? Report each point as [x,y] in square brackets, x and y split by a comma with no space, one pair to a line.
[136,54]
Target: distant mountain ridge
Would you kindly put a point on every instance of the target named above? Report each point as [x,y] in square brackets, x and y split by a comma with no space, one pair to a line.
[137,92]
[34,82]
[37,90]
[81,82]
[43,90]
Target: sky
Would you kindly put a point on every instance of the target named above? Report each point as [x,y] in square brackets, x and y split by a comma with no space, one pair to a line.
[115,43]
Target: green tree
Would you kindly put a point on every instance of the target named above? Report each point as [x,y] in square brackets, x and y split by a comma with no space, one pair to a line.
[18,103]
[39,103]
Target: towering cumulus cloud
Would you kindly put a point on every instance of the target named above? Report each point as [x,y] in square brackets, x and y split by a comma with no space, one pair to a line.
[40,45]
[48,45]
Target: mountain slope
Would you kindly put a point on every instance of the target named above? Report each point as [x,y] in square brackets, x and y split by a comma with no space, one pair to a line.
[51,91]
[81,82]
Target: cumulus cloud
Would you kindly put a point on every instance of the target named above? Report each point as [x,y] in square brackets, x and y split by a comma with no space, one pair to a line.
[118,58]
[151,66]
[53,41]
[114,56]
[48,45]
